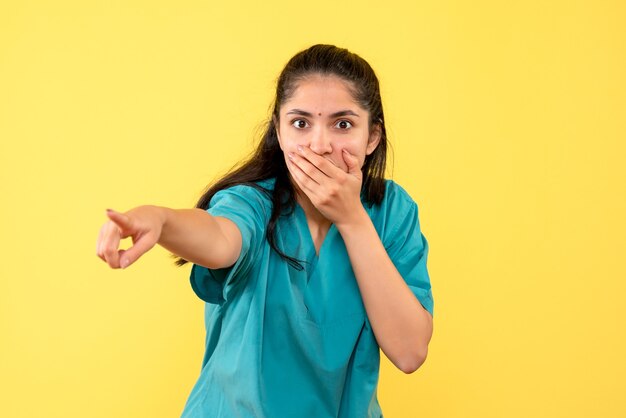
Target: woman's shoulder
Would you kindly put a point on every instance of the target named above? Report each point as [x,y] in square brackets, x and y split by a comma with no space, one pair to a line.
[255,189]
[396,204]
[255,195]
[396,195]
[396,214]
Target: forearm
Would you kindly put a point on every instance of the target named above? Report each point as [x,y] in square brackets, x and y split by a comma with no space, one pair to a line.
[198,237]
[402,326]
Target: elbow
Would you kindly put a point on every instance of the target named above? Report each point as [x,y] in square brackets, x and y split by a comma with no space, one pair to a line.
[411,363]
[414,353]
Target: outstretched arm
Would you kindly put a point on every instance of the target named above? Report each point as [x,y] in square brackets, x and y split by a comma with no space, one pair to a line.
[193,234]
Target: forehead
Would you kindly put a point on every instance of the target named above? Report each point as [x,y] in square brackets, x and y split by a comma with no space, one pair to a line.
[320,93]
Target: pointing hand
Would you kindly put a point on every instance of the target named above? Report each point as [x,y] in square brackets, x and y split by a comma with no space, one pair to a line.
[143,224]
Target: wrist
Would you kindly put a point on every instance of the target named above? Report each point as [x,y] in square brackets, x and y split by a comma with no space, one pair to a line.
[162,213]
[357,220]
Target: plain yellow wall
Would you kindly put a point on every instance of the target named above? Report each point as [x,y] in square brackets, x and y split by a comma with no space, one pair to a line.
[508,123]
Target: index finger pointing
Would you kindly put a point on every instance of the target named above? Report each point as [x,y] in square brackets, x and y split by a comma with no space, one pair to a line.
[119,218]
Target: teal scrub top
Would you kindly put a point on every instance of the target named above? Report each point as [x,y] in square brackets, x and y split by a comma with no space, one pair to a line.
[283,342]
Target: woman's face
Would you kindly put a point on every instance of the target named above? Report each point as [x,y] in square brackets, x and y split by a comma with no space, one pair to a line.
[322,115]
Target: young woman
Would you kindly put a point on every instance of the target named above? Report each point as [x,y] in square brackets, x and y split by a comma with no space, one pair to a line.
[307,258]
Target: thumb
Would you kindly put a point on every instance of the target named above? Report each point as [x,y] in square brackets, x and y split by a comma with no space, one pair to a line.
[352,162]
[120,219]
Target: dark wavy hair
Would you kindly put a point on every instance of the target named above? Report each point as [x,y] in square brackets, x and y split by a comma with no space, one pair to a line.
[267,160]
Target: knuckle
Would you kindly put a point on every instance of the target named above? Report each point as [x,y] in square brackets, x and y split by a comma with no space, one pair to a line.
[109,262]
[108,251]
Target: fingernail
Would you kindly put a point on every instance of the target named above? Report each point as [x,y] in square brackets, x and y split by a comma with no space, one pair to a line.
[290,155]
[124,263]
[299,148]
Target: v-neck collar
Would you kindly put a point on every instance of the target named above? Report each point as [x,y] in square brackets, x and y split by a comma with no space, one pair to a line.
[312,255]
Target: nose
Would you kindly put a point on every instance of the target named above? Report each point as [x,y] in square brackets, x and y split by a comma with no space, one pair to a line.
[320,141]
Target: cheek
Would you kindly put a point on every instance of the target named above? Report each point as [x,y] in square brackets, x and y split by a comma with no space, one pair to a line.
[356,150]
[288,144]
[281,142]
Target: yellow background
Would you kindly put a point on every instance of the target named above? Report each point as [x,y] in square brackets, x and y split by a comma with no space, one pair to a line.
[507,123]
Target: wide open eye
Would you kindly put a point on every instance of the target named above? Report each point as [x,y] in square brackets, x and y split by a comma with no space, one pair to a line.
[344,124]
[299,123]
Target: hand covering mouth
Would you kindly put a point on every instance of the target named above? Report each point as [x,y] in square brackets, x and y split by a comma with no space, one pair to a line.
[334,163]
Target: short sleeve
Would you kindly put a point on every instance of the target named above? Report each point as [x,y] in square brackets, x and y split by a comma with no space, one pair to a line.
[408,250]
[247,208]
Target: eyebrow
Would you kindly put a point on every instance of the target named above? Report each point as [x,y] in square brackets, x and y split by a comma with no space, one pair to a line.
[334,115]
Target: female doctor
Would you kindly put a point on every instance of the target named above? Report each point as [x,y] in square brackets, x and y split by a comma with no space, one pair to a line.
[308,260]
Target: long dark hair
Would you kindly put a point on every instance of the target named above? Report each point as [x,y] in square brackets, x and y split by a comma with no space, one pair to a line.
[267,161]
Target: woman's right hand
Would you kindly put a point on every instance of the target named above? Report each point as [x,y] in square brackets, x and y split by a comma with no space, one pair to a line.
[143,224]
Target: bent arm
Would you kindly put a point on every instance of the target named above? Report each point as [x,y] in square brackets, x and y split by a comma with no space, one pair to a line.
[199,237]
[402,326]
